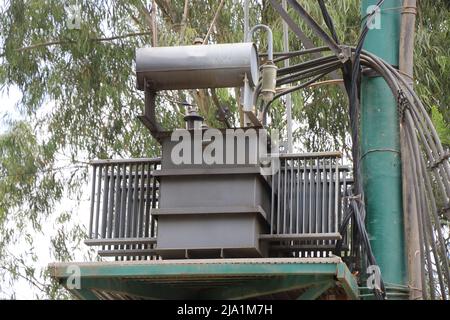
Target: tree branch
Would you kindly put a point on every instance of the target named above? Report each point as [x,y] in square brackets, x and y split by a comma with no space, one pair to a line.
[213,22]
[167,9]
[58,42]
[184,20]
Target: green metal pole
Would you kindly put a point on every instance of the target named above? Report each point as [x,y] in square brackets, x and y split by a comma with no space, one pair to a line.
[380,148]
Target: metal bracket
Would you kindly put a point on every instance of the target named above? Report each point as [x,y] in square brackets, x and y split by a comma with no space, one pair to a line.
[346,53]
[305,16]
[148,119]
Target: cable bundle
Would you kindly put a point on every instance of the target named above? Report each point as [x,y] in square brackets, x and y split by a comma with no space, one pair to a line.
[420,143]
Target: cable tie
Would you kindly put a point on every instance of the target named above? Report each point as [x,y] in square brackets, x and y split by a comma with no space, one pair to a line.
[440,161]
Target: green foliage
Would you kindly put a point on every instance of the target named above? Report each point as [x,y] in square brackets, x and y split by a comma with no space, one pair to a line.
[29,191]
[442,126]
[432,55]
[26,177]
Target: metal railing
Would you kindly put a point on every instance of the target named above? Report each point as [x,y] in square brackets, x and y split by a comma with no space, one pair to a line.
[307,204]
[122,197]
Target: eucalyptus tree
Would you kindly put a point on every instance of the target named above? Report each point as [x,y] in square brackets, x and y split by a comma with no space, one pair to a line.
[79,99]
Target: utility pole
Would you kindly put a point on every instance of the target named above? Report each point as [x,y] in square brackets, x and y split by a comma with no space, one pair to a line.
[410,210]
[380,147]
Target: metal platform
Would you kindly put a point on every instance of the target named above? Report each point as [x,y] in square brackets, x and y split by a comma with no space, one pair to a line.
[272,278]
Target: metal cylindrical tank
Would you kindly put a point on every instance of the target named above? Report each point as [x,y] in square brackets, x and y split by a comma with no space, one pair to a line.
[197,66]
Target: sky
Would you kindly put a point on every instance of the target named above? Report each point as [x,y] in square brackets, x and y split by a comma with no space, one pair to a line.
[8,111]
[8,100]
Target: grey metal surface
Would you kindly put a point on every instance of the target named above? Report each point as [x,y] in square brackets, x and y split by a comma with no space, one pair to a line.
[307,201]
[269,38]
[197,66]
[211,215]
[302,236]
[115,241]
[123,193]
[212,190]
[55,267]
[211,235]
[211,210]
[243,142]
[217,211]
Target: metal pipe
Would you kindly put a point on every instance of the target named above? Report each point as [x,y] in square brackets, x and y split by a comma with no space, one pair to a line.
[155,199]
[117,241]
[310,178]
[91,218]
[123,202]
[304,198]
[141,203]
[297,230]
[197,66]
[330,197]
[279,198]
[135,202]
[147,200]
[292,194]
[272,205]
[304,236]
[284,195]
[105,202]
[269,38]
[317,190]
[97,210]
[111,197]
[336,196]
[324,194]
[117,211]
[120,161]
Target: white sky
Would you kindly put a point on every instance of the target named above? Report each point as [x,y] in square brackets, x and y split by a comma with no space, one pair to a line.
[8,110]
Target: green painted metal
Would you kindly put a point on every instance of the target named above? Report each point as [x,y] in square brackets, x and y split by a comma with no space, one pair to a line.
[244,289]
[136,288]
[234,279]
[183,270]
[256,288]
[316,290]
[393,292]
[84,294]
[380,150]
[347,281]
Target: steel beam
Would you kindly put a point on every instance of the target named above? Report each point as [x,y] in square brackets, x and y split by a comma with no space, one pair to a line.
[211,279]
[316,290]
[300,35]
[257,288]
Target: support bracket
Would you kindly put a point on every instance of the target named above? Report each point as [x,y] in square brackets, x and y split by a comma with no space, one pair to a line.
[148,119]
